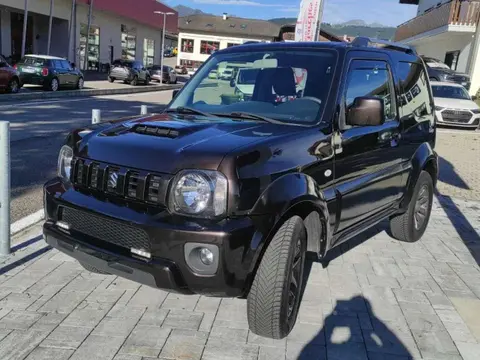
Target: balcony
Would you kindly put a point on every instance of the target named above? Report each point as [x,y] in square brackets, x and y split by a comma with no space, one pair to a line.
[455,15]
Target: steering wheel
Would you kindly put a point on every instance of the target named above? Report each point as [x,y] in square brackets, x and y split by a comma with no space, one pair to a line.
[311,98]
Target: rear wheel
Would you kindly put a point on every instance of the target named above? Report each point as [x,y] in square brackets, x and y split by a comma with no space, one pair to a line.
[111,79]
[147,80]
[93,269]
[134,82]
[13,86]
[274,297]
[411,225]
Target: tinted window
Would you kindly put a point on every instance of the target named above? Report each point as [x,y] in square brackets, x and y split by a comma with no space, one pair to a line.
[66,64]
[452,92]
[415,96]
[247,76]
[371,79]
[34,61]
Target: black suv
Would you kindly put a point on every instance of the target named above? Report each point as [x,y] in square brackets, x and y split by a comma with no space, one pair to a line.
[225,197]
[129,71]
[439,71]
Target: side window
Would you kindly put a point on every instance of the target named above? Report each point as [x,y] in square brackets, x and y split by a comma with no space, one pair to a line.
[57,64]
[66,65]
[415,92]
[371,79]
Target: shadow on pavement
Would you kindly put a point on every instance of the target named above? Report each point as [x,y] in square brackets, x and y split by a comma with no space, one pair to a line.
[449,176]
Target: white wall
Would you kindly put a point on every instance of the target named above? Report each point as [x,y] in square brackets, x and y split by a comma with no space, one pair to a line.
[425,4]
[196,56]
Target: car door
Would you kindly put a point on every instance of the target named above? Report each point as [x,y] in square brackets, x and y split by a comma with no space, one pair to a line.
[60,72]
[70,73]
[367,163]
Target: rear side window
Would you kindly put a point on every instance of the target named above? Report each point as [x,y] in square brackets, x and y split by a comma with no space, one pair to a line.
[371,79]
[34,61]
[415,92]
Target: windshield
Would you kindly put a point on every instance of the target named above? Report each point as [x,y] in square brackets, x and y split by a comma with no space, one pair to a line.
[291,86]
[451,92]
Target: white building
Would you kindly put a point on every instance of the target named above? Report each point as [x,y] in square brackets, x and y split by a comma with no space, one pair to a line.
[119,28]
[200,35]
[445,30]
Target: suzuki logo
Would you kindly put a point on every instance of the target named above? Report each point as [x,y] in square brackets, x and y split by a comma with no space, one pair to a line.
[113,180]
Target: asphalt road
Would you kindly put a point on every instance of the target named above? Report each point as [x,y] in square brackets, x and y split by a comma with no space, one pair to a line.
[38,130]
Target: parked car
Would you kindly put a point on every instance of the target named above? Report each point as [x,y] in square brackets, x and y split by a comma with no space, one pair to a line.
[130,71]
[168,53]
[226,199]
[51,72]
[169,74]
[9,77]
[181,70]
[213,74]
[227,74]
[454,106]
[191,71]
[439,71]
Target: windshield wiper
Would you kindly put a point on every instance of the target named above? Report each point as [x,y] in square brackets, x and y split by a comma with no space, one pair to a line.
[250,116]
[189,110]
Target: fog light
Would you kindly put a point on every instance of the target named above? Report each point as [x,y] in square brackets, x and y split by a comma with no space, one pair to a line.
[206,256]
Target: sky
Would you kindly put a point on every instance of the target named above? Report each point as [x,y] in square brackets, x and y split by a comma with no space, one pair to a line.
[387,12]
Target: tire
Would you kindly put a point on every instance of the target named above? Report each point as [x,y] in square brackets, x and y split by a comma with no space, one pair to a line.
[94,269]
[272,313]
[134,82]
[13,86]
[111,79]
[80,83]
[147,80]
[54,85]
[409,226]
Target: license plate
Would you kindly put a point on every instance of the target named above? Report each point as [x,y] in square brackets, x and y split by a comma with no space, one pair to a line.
[28,70]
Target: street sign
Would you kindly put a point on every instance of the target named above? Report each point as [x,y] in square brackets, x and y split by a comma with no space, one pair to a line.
[309,19]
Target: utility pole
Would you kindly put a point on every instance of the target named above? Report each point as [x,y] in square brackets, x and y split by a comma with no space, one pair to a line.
[165,14]
[50,27]
[25,22]
[85,58]
[70,31]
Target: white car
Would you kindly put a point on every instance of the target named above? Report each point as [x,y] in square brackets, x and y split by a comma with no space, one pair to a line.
[227,74]
[454,106]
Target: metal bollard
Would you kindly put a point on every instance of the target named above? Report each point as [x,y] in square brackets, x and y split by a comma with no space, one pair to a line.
[143,110]
[96,116]
[4,188]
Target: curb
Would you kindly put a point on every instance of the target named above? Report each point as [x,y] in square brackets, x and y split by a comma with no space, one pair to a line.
[26,222]
[85,93]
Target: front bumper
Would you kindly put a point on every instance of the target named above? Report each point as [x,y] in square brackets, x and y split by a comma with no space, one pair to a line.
[168,235]
[472,122]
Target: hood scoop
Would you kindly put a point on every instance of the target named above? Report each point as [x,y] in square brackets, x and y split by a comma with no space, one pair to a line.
[156,131]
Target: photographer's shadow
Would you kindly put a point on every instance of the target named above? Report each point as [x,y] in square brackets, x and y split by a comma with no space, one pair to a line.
[350,336]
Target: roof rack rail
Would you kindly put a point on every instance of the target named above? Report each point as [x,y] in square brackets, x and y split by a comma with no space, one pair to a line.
[362,41]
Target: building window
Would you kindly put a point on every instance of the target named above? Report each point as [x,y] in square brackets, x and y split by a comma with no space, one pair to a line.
[129,44]
[92,49]
[148,52]
[187,45]
[209,47]
[451,59]
[190,63]
[231,44]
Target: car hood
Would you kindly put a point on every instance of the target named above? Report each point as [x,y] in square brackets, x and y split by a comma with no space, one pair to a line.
[167,143]
[455,103]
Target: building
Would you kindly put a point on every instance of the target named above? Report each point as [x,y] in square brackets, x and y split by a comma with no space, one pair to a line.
[200,35]
[119,29]
[444,29]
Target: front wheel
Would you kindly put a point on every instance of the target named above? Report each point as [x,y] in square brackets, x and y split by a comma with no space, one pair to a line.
[274,297]
[147,80]
[411,225]
[54,85]
[111,79]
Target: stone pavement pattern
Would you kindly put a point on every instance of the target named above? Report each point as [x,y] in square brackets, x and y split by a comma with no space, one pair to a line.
[377,299]
[459,163]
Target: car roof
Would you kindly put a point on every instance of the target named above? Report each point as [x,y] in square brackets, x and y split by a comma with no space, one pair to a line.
[46,57]
[444,83]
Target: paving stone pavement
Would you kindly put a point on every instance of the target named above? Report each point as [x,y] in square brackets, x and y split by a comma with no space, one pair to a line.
[377,299]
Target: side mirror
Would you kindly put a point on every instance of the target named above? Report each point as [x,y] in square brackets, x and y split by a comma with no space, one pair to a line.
[232,83]
[174,93]
[366,111]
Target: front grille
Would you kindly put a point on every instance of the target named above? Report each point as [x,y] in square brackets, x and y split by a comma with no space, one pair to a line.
[120,182]
[458,116]
[103,229]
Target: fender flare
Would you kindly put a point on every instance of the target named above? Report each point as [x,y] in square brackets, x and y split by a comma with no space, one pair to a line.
[425,158]
[291,194]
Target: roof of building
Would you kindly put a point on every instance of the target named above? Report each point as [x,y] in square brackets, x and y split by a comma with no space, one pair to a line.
[233,26]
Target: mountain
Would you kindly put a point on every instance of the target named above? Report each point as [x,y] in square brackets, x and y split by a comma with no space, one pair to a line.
[187,11]
[350,28]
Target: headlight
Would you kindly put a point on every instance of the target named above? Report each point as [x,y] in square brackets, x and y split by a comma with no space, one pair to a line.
[199,193]
[439,108]
[475,111]
[65,158]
